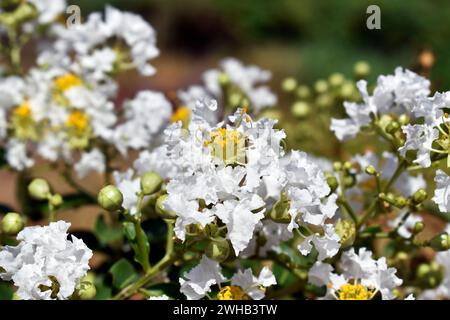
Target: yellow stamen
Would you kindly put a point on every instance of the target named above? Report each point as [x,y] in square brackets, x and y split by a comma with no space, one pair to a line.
[222,136]
[232,293]
[355,292]
[23,111]
[65,82]
[78,121]
[181,114]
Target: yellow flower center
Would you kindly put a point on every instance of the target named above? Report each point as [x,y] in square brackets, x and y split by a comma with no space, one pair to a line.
[181,114]
[65,82]
[232,293]
[23,111]
[223,136]
[78,121]
[355,292]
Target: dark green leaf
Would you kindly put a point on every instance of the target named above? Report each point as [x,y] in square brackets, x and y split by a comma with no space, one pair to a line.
[129,230]
[104,233]
[123,273]
[6,292]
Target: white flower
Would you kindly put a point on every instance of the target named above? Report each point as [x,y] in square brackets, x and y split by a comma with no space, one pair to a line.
[138,35]
[253,286]
[420,138]
[359,116]
[273,233]
[163,297]
[129,187]
[49,10]
[327,245]
[240,220]
[197,283]
[92,161]
[361,279]
[100,63]
[394,93]
[145,116]
[441,193]
[44,255]
[17,156]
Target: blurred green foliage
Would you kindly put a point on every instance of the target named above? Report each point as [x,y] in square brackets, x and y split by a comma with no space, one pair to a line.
[329,35]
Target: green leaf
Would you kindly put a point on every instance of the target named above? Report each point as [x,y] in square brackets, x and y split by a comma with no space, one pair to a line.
[123,273]
[104,233]
[141,257]
[129,230]
[6,292]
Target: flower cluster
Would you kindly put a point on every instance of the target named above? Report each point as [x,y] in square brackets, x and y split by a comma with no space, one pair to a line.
[207,193]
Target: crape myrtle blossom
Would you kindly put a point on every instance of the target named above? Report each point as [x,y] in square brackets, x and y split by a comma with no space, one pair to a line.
[45,264]
[197,283]
[145,117]
[246,80]
[441,193]
[232,174]
[393,94]
[361,278]
[137,41]
[37,13]
[422,136]
[54,113]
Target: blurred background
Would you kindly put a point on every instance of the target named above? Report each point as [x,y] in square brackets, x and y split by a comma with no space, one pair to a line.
[307,39]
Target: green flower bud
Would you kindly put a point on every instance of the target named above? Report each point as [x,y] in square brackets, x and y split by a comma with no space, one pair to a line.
[418,227]
[441,242]
[56,200]
[332,182]
[346,230]
[289,85]
[370,169]
[161,210]
[150,182]
[39,189]
[400,202]
[337,166]
[224,79]
[321,86]
[361,69]
[303,92]
[429,276]
[347,165]
[324,101]
[336,79]
[419,196]
[86,290]
[15,296]
[218,249]
[404,119]
[280,211]
[301,109]
[349,181]
[110,198]
[347,90]
[12,223]
[392,127]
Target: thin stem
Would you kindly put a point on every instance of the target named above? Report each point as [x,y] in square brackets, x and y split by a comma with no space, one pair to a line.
[169,258]
[348,208]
